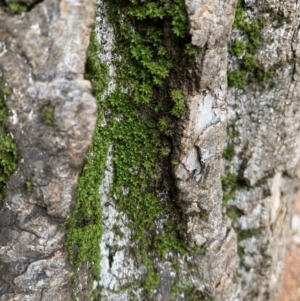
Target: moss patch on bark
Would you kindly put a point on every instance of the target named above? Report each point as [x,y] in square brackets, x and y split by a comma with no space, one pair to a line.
[8,148]
[153,50]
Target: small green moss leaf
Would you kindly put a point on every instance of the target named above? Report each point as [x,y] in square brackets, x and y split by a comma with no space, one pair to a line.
[48,115]
[236,78]
[179,105]
[238,47]
[8,149]
[17,8]
[250,62]
[29,188]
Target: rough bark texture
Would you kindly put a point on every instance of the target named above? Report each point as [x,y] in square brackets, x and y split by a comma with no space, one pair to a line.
[266,117]
[42,57]
[200,149]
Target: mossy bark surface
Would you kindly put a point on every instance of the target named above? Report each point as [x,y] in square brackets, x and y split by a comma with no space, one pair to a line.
[186,189]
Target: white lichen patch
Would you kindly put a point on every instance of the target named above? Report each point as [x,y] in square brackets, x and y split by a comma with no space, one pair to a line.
[106,37]
[275,197]
[3,49]
[14,117]
[117,267]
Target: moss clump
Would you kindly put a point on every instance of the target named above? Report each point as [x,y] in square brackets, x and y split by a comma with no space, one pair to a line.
[229,187]
[142,121]
[14,7]
[280,19]
[48,115]
[179,105]
[250,62]
[176,265]
[8,149]
[17,8]
[118,231]
[237,47]
[232,134]
[186,288]
[233,213]
[169,241]
[242,235]
[29,188]
[153,278]
[231,183]
[84,228]
[237,78]
[249,69]
[251,29]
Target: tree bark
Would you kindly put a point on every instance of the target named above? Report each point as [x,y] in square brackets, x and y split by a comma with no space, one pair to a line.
[42,63]
[198,179]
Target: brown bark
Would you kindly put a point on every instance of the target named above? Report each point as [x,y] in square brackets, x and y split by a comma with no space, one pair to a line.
[42,61]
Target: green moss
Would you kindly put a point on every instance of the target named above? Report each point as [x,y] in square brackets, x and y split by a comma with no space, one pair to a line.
[251,29]
[84,228]
[230,181]
[140,116]
[179,105]
[164,124]
[169,241]
[153,278]
[243,235]
[186,288]
[176,265]
[145,10]
[261,76]
[118,231]
[232,134]
[48,115]
[241,251]
[233,213]
[29,188]
[279,20]
[191,50]
[237,78]
[5,91]
[142,137]
[8,149]
[17,8]
[249,69]
[250,62]
[14,7]
[248,234]
[237,47]
[230,184]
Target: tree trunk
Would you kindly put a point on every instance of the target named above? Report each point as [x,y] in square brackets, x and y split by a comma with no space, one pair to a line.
[187,188]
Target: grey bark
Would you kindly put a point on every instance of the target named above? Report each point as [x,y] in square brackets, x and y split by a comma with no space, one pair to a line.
[42,58]
[267,119]
[44,66]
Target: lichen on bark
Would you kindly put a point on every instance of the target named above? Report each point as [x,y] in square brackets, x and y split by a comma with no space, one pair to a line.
[140,196]
[149,223]
[266,149]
